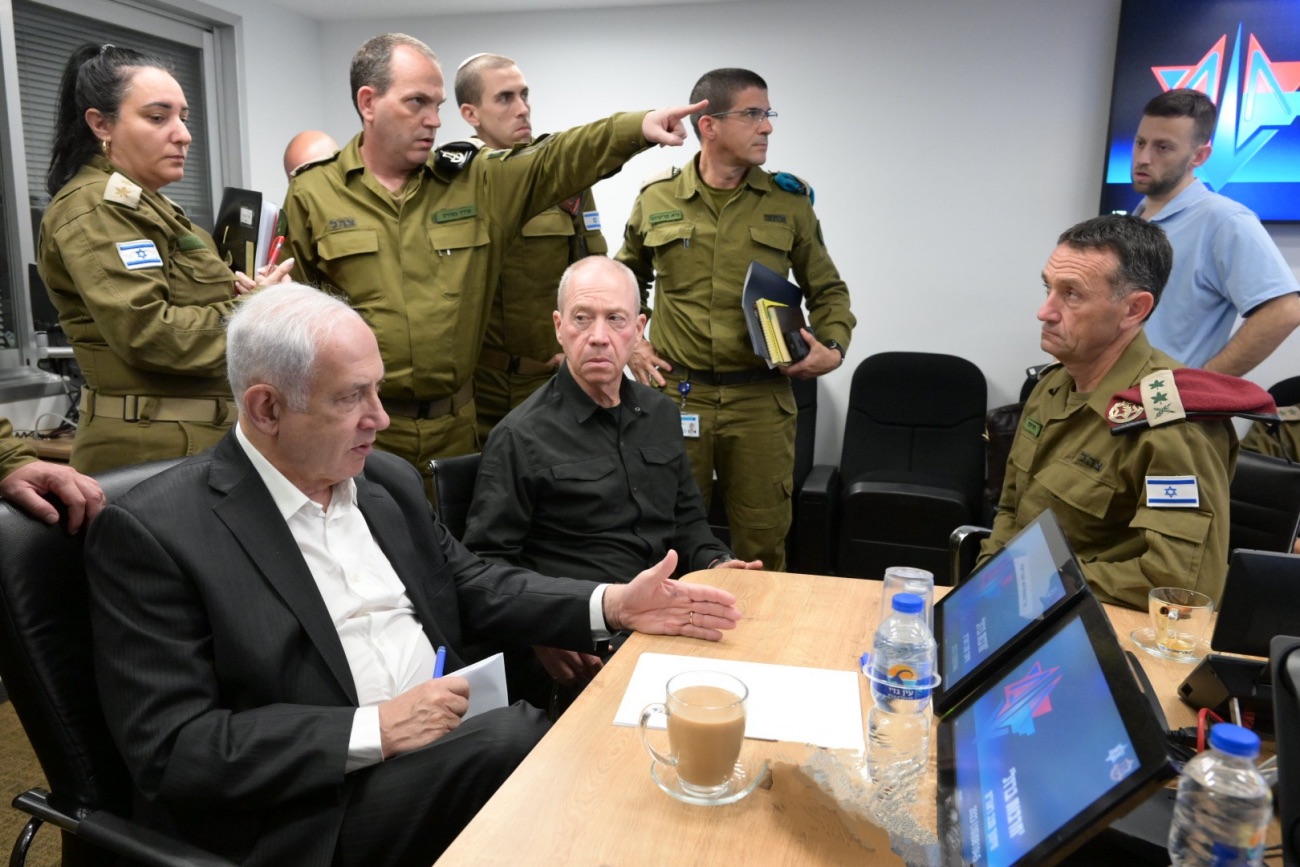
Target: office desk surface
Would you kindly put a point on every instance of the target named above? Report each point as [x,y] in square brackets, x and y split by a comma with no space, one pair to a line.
[584,796]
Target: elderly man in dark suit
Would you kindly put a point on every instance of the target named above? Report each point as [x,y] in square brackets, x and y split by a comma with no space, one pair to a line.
[266,615]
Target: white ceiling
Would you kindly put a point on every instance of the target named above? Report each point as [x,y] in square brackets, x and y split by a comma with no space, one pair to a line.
[345,10]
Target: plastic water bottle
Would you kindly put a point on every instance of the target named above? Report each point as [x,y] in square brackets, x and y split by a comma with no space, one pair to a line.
[898,726]
[1224,806]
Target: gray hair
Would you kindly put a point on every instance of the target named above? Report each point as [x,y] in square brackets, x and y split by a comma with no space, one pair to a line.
[615,268]
[469,76]
[272,338]
[372,65]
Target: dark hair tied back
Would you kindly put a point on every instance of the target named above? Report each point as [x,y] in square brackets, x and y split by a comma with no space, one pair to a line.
[96,76]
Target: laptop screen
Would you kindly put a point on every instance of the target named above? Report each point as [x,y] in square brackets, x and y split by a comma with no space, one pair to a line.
[980,621]
[1048,749]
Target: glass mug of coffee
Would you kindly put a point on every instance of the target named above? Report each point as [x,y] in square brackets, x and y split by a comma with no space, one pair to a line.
[706,725]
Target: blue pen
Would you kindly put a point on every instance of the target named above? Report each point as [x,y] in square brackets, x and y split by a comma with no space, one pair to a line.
[440,663]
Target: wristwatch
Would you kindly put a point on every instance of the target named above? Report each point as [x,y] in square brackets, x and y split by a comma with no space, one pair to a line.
[834,344]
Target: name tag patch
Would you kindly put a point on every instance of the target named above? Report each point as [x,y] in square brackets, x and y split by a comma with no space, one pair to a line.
[139,254]
[1173,492]
[691,425]
[591,220]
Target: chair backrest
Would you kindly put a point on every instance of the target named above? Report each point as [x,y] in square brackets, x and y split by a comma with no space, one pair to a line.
[1265,506]
[919,413]
[453,485]
[1286,392]
[46,654]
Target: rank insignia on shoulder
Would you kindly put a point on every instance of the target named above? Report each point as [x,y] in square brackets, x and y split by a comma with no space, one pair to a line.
[665,175]
[793,184]
[121,191]
[454,157]
[1172,492]
[1288,413]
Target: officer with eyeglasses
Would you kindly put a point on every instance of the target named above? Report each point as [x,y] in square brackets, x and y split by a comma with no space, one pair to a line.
[693,233]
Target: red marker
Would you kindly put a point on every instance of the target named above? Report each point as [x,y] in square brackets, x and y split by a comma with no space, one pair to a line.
[276,245]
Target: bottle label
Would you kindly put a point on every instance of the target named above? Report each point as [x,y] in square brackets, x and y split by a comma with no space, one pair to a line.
[904,682]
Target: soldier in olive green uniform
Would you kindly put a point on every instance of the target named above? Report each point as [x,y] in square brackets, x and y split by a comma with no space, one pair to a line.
[520,352]
[1258,439]
[14,453]
[415,242]
[141,293]
[694,241]
[1104,489]
[519,346]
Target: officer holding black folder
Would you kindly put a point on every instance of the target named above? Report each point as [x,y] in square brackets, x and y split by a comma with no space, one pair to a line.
[694,232]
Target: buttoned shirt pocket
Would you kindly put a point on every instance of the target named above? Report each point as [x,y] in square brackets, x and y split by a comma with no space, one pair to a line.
[199,277]
[455,244]
[551,223]
[1078,488]
[772,246]
[353,242]
[585,487]
[1176,538]
[671,244]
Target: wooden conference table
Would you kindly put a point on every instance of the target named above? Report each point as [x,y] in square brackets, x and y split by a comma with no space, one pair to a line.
[584,796]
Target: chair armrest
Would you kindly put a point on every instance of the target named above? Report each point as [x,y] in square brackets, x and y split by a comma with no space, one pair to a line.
[963,547]
[116,834]
[817,515]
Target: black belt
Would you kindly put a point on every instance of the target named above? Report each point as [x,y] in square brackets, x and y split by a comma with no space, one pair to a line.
[718,380]
[429,409]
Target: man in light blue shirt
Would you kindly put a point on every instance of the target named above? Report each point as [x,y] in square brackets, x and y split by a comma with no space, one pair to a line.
[1225,263]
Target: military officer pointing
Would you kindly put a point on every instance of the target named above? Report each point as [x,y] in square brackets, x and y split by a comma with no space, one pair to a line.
[415,241]
[693,233]
[520,352]
[1111,492]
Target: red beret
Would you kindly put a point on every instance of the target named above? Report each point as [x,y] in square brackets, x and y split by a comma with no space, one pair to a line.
[1187,393]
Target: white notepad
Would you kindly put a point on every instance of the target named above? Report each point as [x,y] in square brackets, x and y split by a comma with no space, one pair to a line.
[786,702]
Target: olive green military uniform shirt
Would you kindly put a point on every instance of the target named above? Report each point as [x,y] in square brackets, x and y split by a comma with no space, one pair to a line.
[1258,439]
[141,294]
[1064,458]
[698,262]
[420,271]
[14,453]
[520,331]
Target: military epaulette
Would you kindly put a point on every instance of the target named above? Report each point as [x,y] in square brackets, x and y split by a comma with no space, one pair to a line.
[454,157]
[121,191]
[311,164]
[1288,413]
[666,175]
[794,184]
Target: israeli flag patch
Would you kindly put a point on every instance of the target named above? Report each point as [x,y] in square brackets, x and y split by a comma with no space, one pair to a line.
[591,220]
[1172,492]
[139,254]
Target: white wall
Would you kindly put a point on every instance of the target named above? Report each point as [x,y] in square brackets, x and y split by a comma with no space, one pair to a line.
[948,142]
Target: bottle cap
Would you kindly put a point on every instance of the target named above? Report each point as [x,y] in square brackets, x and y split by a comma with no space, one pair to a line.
[908,603]
[1234,740]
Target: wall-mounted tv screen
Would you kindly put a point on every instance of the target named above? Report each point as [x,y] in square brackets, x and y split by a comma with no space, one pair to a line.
[1244,55]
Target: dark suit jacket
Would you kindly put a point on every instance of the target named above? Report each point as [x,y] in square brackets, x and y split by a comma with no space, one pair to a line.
[222,676]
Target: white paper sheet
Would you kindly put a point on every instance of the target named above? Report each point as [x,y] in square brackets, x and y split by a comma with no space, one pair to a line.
[786,703]
[487,684]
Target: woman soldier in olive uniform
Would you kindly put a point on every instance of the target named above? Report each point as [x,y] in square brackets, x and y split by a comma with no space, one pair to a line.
[141,291]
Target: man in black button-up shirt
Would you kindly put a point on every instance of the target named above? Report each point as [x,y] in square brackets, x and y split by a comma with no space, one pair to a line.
[589,477]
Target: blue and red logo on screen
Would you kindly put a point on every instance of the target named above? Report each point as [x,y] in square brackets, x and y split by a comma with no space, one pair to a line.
[1025,700]
[1252,109]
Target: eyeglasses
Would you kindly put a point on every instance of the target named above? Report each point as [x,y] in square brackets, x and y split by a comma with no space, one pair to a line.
[751,115]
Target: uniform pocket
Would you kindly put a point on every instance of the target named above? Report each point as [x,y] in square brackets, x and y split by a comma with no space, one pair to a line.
[584,471]
[455,245]
[671,244]
[548,224]
[354,242]
[1071,484]
[199,277]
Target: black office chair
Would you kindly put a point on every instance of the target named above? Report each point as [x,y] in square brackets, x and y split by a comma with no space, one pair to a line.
[46,662]
[1265,494]
[453,485]
[911,466]
[1286,392]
